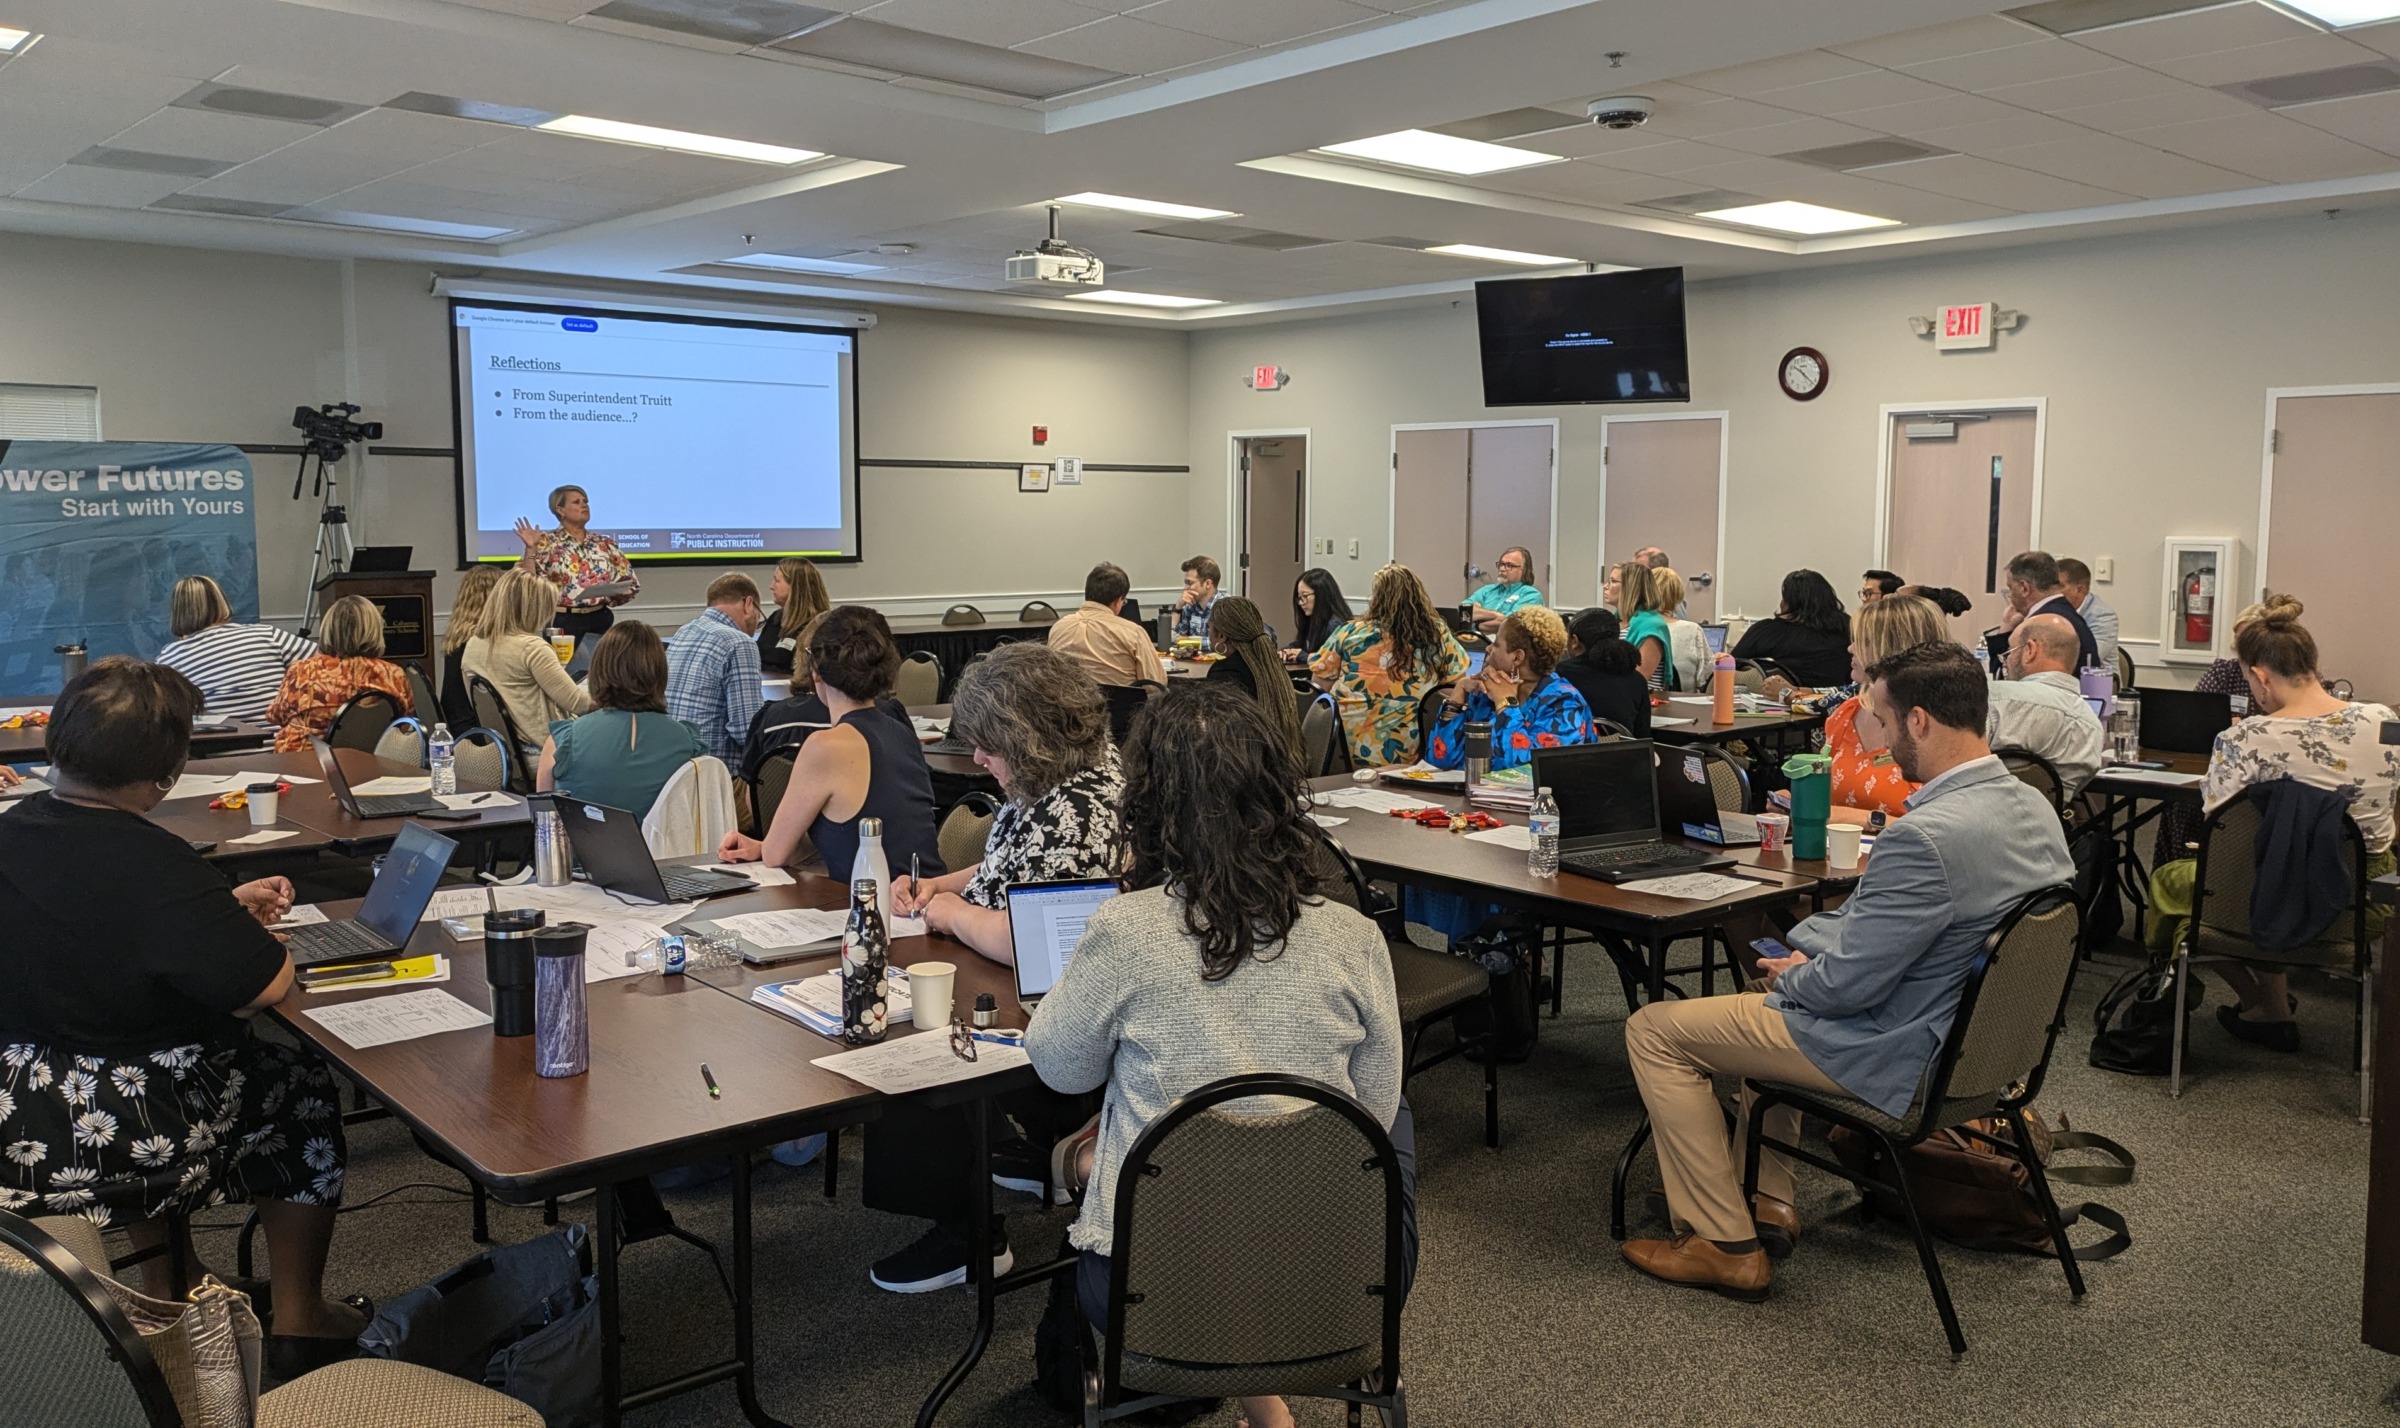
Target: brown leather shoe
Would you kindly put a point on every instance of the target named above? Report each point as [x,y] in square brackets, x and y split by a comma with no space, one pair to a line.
[1778,1225]
[1695,1263]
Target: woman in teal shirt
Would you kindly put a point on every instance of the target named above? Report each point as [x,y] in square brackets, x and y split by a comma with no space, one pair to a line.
[1645,625]
[624,751]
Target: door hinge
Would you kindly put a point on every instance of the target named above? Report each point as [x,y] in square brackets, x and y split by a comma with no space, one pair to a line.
[1395,461]
[2274,440]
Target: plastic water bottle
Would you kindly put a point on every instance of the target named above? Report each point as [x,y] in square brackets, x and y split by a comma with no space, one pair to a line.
[442,759]
[1541,859]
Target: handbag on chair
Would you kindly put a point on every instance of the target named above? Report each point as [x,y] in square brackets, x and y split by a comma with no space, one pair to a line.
[209,1349]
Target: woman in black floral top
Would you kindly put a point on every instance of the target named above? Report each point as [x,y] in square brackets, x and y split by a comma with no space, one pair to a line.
[1037,724]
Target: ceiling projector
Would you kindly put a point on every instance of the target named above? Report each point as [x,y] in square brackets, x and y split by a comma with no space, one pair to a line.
[1055,263]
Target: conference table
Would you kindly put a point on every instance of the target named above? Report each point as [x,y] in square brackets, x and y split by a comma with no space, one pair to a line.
[474,1098]
[25,742]
[1772,737]
[2125,800]
[310,813]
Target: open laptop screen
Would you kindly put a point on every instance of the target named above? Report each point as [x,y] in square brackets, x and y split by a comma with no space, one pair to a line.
[405,885]
[1606,792]
[1715,635]
[1045,921]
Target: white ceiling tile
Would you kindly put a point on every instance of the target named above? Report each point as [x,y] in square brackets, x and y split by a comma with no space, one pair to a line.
[2383,39]
[1750,80]
[2195,32]
[2099,86]
[1130,46]
[203,134]
[1253,22]
[1810,133]
[2293,56]
[1875,89]
[1583,182]
[108,188]
[2266,146]
[1937,42]
[536,9]
[1768,178]
[1983,181]
[2018,64]
[2181,105]
[2370,119]
[1673,157]
[2009,132]
[2106,161]
[344,82]
[1945,111]
[987,22]
[1590,141]
[1864,193]
[1719,116]
[266,181]
[401,133]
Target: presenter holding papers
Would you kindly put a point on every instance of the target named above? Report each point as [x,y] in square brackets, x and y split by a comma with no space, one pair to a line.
[591,574]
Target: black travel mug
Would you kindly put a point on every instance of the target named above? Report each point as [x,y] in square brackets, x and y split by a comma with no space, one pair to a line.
[508,968]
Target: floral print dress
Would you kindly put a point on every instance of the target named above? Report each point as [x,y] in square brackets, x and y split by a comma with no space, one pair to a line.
[576,563]
[1068,832]
[1378,707]
[315,689]
[1863,778]
[1552,715]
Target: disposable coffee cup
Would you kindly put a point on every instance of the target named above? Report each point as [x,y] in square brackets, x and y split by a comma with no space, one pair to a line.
[264,797]
[1841,846]
[1773,830]
[929,992]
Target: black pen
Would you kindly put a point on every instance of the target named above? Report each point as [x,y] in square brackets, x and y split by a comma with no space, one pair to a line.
[710,1077]
[916,875]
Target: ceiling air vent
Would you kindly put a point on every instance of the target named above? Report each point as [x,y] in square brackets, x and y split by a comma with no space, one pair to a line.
[267,104]
[1865,154]
[1237,236]
[230,207]
[138,161]
[2073,17]
[915,54]
[2344,82]
[741,22]
[1707,202]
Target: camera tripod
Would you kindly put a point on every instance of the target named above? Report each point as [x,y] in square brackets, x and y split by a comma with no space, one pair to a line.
[332,554]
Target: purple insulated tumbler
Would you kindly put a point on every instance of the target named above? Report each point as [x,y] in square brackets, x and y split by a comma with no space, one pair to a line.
[562,1030]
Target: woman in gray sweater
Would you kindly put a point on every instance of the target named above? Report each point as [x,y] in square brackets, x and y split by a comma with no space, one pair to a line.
[1218,959]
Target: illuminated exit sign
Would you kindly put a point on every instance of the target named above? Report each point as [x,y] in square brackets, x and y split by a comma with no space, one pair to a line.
[1964,326]
[1268,378]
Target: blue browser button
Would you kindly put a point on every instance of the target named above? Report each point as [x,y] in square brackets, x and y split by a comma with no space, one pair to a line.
[579,324]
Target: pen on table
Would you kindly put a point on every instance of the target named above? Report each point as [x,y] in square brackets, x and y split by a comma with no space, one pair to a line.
[710,1078]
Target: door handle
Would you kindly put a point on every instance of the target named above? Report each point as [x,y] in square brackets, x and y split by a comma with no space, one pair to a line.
[1701,581]
[1475,572]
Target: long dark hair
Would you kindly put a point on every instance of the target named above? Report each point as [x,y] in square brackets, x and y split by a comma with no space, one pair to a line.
[1332,612]
[1413,634]
[1596,630]
[1809,601]
[1213,812]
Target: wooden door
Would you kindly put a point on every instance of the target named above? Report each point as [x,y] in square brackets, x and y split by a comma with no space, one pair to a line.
[1274,506]
[1660,481]
[1429,508]
[1508,500]
[1958,508]
[2332,525]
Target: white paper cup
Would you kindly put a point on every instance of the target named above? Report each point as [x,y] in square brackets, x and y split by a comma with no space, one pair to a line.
[263,800]
[929,985]
[1841,845]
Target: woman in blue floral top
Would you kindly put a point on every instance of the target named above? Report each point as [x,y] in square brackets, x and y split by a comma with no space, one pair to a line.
[1527,702]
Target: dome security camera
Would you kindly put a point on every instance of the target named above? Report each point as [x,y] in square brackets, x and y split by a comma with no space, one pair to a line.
[1624,111]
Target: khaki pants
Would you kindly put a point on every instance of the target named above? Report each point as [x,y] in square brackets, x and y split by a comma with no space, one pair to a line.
[1675,1046]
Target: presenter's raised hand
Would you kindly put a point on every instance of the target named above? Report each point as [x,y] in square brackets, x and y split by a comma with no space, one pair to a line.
[529,533]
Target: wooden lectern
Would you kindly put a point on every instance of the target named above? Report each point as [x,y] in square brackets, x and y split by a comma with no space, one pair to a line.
[406,599]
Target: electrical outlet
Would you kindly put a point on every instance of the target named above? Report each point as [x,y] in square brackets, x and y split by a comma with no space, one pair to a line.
[1354,547]
[2104,571]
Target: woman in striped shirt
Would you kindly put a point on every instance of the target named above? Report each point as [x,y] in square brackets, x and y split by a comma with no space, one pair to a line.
[237,667]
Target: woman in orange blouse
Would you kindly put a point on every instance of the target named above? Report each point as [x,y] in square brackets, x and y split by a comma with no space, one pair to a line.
[578,561]
[1865,780]
[349,661]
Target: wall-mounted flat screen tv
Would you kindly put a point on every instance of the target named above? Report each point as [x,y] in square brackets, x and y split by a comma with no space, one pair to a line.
[1597,337]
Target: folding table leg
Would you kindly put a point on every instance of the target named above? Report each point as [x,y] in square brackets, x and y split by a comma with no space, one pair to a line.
[979,1263]
[612,1348]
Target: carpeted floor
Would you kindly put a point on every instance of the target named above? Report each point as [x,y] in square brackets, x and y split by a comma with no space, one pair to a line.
[2238,1303]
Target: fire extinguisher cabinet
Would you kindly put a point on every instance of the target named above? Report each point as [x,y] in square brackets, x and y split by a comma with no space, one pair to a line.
[2203,594]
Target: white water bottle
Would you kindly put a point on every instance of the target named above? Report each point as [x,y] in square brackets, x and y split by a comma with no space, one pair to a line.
[1541,859]
[441,759]
[871,862]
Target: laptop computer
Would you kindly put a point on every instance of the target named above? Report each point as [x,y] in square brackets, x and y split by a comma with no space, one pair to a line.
[1715,635]
[1687,804]
[375,805]
[609,843]
[1608,812]
[380,558]
[388,917]
[1045,922]
[2183,721]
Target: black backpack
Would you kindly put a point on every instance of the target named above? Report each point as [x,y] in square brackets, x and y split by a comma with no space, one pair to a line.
[2133,1028]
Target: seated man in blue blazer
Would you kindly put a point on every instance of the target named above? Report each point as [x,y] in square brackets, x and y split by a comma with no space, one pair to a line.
[1862,1003]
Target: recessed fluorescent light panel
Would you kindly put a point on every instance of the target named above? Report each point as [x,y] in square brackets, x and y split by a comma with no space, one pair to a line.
[1502,255]
[13,40]
[618,132]
[1129,299]
[1807,219]
[1440,153]
[393,223]
[1150,206]
[784,262]
[2337,13]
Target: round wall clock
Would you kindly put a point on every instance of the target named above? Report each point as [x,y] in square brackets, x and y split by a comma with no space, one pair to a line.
[1803,373]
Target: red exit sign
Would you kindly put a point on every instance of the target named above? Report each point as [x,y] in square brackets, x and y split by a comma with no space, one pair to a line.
[1964,325]
[1268,378]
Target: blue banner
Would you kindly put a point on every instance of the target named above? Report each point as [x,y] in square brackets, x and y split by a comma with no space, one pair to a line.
[94,535]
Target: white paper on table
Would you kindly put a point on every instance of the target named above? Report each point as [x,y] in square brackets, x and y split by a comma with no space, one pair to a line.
[1703,700]
[394,783]
[302,915]
[1374,800]
[2167,777]
[1425,773]
[456,902]
[1513,835]
[379,1021]
[1659,722]
[1326,820]
[913,1063]
[486,802]
[786,927]
[608,951]
[758,873]
[248,777]
[193,785]
[199,721]
[583,902]
[24,788]
[264,835]
[1699,887]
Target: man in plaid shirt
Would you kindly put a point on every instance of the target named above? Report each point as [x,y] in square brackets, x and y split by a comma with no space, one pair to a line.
[712,667]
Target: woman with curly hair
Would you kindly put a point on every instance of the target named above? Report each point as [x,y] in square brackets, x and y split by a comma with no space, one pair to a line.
[1218,958]
[1378,668]
[1520,693]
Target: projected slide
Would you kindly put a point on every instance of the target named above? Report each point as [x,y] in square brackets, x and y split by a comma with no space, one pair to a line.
[697,439]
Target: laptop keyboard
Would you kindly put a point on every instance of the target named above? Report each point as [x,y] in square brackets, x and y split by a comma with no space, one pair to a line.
[949,745]
[324,940]
[394,805]
[683,885]
[1600,862]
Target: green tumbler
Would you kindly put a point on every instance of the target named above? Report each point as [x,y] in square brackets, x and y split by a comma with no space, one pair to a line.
[1811,779]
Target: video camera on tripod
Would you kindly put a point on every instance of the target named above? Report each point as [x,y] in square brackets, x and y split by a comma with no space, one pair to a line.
[328,433]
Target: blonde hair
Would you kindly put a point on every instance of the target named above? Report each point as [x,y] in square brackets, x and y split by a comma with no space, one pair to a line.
[196,604]
[1667,586]
[1537,633]
[521,604]
[2276,641]
[1637,590]
[2287,607]
[351,629]
[805,598]
[466,611]
[1895,623]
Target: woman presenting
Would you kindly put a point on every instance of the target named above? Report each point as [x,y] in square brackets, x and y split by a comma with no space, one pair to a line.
[592,575]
